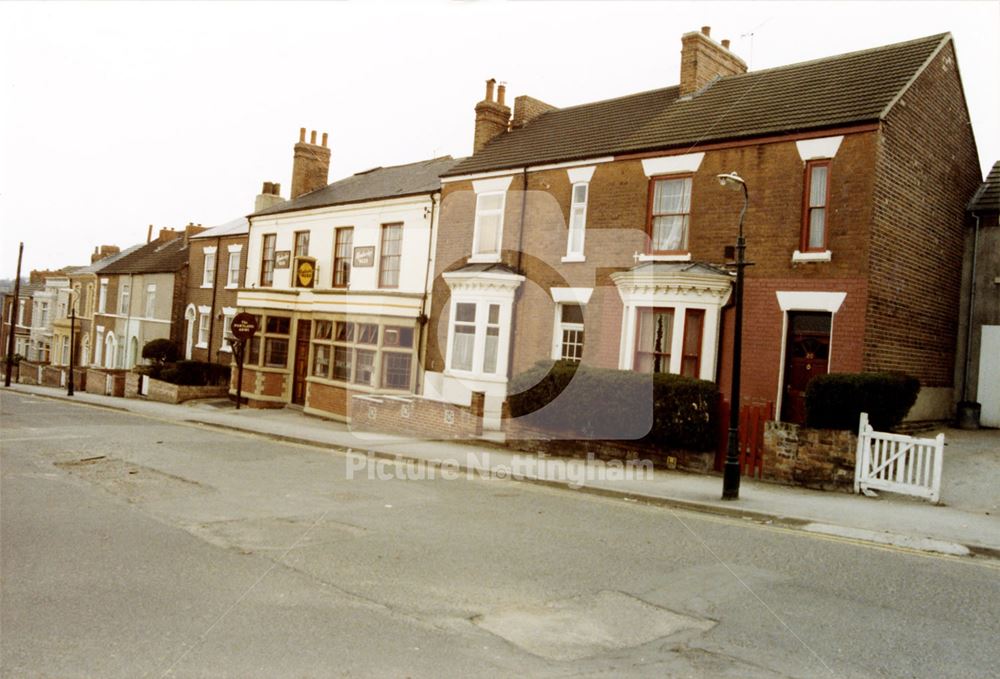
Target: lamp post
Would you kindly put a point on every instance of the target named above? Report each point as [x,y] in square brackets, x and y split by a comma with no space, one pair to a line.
[731,471]
[72,340]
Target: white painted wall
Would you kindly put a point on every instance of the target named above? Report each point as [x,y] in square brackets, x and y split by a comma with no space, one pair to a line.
[367,219]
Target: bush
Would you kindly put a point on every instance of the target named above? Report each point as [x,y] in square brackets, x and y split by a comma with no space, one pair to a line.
[836,400]
[161,351]
[597,403]
[195,374]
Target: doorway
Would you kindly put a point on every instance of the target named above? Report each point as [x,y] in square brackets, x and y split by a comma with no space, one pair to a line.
[301,370]
[807,354]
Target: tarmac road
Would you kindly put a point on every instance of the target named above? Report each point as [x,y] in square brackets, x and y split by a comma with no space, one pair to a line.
[133,547]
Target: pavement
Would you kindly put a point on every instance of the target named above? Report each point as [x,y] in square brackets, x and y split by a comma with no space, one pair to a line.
[966,523]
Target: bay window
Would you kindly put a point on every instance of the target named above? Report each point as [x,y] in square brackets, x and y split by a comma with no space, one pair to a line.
[660,350]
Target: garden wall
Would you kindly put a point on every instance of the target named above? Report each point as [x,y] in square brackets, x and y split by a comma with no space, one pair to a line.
[814,458]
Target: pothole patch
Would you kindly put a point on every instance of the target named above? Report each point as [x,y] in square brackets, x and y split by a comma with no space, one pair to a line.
[589,625]
[134,482]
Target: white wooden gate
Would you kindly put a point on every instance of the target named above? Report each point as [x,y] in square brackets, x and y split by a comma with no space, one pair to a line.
[898,463]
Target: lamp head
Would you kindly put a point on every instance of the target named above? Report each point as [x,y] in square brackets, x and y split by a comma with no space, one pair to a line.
[732,180]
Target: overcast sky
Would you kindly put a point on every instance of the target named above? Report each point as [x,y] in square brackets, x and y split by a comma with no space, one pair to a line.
[117,116]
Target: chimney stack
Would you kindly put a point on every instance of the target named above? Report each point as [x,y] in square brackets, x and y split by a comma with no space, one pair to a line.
[269,195]
[167,234]
[527,109]
[103,252]
[310,164]
[703,60]
[492,117]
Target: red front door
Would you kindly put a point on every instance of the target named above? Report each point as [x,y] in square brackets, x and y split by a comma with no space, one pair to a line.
[807,354]
[301,362]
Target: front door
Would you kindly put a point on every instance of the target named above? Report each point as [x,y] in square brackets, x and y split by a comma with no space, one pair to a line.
[302,333]
[807,354]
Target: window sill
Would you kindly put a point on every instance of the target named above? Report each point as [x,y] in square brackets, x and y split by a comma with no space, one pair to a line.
[226,349]
[824,256]
[685,257]
[479,377]
[574,258]
[201,345]
[484,259]
[232,287]
[206,287]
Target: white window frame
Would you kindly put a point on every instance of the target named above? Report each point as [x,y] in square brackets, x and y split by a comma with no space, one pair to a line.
[102,303]
[235,258]
[208,272]
[227,319]
[204,326]
[150,301]
[578,176]
[479,343]
[565,296]
[487,188]
[561,326]
[20,312]
[124,298]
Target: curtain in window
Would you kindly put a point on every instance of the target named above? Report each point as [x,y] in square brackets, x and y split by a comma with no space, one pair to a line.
[671,205]
[817,207]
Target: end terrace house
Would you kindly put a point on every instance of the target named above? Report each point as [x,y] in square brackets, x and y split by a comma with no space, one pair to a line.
[140,297]
[600,232]
[338,279]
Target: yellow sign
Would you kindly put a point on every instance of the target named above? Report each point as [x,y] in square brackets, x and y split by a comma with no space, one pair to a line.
[304,273]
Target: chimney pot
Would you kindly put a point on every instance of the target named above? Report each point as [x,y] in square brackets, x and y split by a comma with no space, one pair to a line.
[706,30]
[312,137]
[703,60]
[277,189]
[725,43]
[324,138]
[302,134]
[489,89]
[501,92]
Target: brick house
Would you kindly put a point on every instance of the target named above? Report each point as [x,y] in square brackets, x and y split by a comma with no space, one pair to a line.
[338,278]
[141,297]
[217,265]
[20,310]
[599,232]
[977,372]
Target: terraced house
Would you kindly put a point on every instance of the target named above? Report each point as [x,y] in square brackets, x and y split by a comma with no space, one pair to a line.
[600,232]
[338,278]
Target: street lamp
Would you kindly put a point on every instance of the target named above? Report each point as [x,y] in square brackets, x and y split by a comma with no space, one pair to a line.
[72,339]
[731,471]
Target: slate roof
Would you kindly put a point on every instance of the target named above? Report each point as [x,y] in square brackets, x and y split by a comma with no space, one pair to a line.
[988,196]
[846,89]
[681,267]
[378,183]
[236,227]
[155,257]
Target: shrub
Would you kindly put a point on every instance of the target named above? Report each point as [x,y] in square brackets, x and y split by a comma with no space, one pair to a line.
[195,373]
[598,403]
[161,351]
[836,400]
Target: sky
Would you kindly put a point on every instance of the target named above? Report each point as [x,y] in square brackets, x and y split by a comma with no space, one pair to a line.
[121,115]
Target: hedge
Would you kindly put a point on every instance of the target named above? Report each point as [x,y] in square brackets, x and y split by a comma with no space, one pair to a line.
[836,400]
[190,373]
[161,351]
[597,403]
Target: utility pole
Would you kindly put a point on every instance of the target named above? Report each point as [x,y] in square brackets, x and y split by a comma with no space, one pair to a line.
[13,316]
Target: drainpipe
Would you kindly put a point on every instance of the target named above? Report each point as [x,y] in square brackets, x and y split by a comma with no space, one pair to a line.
[428,281]
[972,308]
[215,287]
[128,316]
[520,258]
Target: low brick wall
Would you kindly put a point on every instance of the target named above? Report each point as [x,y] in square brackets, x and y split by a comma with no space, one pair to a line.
[814,458]
[79,379]
[97,382]
[165,392]
[53,376]
[526,439]
[29,372]
[417,416]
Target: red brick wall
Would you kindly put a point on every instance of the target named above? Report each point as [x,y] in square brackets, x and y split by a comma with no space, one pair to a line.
[616,229]
[415,416]
[327,397]
[199,296]
[928,171]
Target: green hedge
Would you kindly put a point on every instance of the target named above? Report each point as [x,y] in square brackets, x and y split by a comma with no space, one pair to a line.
[836,400]
[597,403]
[194,373]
